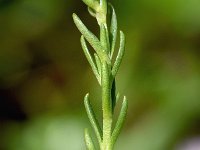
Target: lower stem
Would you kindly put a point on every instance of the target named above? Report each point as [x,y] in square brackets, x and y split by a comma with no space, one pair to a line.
[107,107]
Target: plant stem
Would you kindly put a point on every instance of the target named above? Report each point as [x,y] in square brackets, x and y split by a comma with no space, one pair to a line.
[106,106]
[106,82]
[104,71]
[103,4]
[106,86]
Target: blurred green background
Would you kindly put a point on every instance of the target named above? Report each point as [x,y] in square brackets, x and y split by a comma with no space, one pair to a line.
[44,75]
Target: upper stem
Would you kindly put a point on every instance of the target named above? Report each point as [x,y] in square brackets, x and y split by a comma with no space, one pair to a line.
[102,12]
[103,4]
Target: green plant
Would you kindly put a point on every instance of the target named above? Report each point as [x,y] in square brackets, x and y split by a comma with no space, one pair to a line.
[105,72]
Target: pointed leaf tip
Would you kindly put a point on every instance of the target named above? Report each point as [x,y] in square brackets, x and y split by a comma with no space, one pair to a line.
[87,95]
[125,100]
[86,98]
[91,38]
[74,15]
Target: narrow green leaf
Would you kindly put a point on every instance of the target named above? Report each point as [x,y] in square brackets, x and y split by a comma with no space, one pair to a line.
[88,141]
[89,58]
[91,38]
[103,38]
[93,119]
[120,121]
[119,55]
[98,62]
[113,95]
[113,29]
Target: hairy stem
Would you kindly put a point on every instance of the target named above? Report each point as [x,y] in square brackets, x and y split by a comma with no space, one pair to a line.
[106,86]
[106,106]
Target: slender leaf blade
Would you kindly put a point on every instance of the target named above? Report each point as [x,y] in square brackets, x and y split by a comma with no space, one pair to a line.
[98,62]
[88,141]
[120,121]
[104,38]
[91,38]
[119,55]
[113,95]
[93,119]
[113,30]
[89,58]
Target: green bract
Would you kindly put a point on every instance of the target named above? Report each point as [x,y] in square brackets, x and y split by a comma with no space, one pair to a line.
[105,72]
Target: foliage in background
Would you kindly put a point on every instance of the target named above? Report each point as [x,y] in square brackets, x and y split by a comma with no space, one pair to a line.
[40,67]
